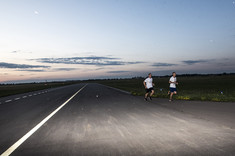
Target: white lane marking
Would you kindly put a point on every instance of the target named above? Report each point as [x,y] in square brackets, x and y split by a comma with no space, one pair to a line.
[35,94]
[8,101]
[17,98]
[26,136]
[24,97]
[0,103]
[30,95]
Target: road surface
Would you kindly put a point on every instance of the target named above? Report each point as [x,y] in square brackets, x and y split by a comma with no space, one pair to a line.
[92,119]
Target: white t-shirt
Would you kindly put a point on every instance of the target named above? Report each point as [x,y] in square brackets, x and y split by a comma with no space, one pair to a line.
[173,79]
[149,82]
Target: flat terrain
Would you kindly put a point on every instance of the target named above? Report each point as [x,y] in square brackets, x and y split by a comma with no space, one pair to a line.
[12,89]
[100,120]
[200,87]
[218,88]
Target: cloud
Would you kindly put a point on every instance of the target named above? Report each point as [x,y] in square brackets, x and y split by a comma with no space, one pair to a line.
[20,66]
[99,68]
[119,71]
[36,12]
[20,51]
[163,64]
[91,60]
[15,51]
[32,70]
[191,62]
[65,69]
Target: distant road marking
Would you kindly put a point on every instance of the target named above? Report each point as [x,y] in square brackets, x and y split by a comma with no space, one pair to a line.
[123,91]
[30,95]
[24,97]
[17,98]
[26,136]
[35,94]
[8,101]
[0,103]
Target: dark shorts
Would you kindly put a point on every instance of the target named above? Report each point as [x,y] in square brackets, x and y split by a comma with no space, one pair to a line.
[149,90]
[172,90]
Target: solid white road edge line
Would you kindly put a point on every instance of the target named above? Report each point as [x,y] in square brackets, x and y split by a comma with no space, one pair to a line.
[26,136]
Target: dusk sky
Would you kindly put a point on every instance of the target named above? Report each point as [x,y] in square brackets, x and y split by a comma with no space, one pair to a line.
[83,39]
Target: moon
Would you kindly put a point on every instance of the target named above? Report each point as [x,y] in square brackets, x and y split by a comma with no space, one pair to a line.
[36,12]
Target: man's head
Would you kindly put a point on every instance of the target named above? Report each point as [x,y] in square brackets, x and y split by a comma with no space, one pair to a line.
[174,74]
[149,75]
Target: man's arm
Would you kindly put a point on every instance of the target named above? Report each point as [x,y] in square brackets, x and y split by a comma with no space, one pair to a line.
[173,82]
[144,84]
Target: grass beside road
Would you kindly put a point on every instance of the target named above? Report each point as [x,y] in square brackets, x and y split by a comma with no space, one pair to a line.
[204,88]
[12,89]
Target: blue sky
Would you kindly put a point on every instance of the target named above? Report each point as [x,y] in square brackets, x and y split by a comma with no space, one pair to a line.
[65,39]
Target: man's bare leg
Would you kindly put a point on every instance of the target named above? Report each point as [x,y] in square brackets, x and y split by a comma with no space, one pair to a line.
[171,96]
[146,96]
[152,92]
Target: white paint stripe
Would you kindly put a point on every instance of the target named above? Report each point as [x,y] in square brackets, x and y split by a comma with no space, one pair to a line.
[126,92]
[17,98]
[26,136]
[34,94]
[0,103]
[24,97]
[30,95]
[8,100]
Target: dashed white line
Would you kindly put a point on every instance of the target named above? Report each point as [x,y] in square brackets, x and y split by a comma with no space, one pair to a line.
[32,131]
[23,97]
[0,103]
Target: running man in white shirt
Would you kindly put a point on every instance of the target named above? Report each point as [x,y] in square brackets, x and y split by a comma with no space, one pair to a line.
[148,84]
[173,82]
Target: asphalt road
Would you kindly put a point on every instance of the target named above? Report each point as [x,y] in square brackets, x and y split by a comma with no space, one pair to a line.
[100,120]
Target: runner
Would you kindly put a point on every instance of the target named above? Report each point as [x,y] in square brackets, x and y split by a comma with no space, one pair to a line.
[173,82]
[148,84]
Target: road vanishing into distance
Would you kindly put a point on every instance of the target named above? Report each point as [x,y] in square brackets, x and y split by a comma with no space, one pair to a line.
[93,119]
